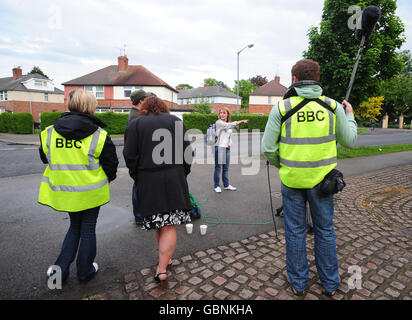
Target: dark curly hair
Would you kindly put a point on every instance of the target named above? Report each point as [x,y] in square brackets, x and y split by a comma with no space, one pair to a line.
[153,104]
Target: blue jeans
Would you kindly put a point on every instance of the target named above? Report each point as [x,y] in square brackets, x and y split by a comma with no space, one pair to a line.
[321,207]
[82,230]
[136,212]
[222,159]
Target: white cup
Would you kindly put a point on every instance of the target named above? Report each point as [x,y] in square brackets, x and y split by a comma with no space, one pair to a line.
[203,229]
[189,228]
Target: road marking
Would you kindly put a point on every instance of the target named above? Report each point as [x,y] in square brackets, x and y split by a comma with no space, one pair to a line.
[13,149]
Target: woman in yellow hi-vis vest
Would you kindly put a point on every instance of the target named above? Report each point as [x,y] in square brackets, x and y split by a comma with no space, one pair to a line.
[81,162]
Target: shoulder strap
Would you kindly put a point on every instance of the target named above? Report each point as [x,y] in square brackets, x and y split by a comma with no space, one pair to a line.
[325,105]
[302,104]
[292,111]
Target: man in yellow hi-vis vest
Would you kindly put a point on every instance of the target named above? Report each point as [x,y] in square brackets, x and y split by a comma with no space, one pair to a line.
[300,138]
[81,162]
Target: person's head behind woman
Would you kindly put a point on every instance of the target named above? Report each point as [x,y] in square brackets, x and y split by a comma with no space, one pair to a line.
[154,105]
[224,110]
[80,100]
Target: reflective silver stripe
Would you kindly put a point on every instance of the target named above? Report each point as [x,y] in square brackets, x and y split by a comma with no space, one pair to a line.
[331,119]
[288,123]
[302,141]
[75,188]
[49,133]
[76,167]
[308,164]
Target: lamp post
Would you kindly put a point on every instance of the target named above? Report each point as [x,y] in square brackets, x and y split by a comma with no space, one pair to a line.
[237,98]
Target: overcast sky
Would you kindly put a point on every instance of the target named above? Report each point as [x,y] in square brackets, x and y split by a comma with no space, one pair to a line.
[180,41]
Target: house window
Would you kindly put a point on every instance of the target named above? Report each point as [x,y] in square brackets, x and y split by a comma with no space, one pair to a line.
[40,83]
[98,91]
[3,95]
[269,100]
[129,89]
[2,109]
[46,97]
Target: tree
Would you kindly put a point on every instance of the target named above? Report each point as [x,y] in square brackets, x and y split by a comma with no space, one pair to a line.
[203,107]
[37,70]
[258,80]
[213,82]
[398,95]
[245,88]
[334,47]
[184,86]
[406,58]
[370,109]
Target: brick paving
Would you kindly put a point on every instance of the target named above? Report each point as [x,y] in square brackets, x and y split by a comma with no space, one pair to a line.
[373,225]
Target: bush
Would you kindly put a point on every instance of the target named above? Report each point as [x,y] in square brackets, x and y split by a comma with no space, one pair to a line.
[203,121]
[116,123]
[6,123]
[203,107]
[48,118]
[256,121]
[199,121]
[21,123]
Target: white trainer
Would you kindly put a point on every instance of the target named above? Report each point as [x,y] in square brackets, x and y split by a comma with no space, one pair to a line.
[49,271]
[96,266]
[217,189]
[229,187]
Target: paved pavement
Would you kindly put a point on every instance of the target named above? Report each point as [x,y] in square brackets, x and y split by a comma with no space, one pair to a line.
[374,240]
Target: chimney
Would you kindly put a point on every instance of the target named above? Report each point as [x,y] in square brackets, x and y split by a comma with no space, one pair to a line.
[277,79]
[123,63]
[205,85]
[17,73]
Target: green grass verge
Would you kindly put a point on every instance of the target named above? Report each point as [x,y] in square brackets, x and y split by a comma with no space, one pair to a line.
[363,130]
[371,150]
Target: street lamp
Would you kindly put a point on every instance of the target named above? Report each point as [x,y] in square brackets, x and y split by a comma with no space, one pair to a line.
[237,98]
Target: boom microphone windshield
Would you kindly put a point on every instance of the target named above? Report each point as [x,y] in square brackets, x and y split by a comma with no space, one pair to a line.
[366,24]
[370,15]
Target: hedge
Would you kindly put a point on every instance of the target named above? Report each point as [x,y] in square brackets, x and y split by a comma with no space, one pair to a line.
[48,118]
[203,121]
[116,123]
[21,123]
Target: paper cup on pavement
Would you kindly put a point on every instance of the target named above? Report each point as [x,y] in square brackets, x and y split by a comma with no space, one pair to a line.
[189,228]
[203,229]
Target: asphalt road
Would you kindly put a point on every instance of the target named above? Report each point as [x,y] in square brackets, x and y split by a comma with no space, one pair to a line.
[31,235]
[17,160]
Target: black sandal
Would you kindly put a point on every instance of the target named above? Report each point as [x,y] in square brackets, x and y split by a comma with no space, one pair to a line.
[163,282]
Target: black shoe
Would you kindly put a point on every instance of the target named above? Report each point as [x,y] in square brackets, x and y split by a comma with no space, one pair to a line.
[138,221]
[163,282]
[298,293]
[96,268]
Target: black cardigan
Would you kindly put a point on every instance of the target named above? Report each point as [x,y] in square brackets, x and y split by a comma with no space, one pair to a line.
[160,187]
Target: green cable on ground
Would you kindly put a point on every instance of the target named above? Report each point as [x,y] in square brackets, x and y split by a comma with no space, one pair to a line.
[217,221]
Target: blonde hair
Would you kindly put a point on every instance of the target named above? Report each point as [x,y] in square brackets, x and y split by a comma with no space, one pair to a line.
[226,109]
[80,100]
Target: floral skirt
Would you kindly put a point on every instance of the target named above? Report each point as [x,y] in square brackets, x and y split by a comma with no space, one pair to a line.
[160,220]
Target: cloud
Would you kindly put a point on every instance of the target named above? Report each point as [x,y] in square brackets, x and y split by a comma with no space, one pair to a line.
[181,42]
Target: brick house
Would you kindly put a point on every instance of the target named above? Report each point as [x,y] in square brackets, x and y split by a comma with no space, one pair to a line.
[265,97]
[31,93]
[113,85]
[215,95]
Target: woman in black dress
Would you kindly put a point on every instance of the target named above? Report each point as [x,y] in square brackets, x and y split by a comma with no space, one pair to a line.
[154,152]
